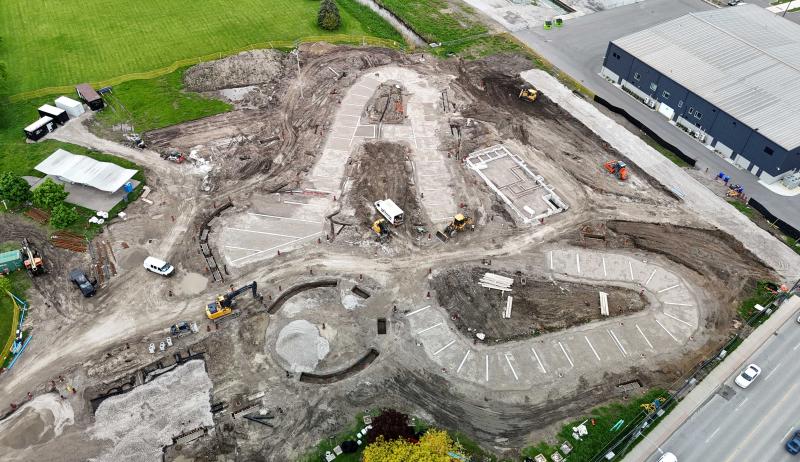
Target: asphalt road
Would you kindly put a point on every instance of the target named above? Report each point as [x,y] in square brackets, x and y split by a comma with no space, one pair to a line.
[578,49]
[750,424]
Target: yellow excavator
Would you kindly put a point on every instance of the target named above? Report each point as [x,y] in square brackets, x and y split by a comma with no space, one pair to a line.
[224,304]
[529,94]
[381,228]
[460,223]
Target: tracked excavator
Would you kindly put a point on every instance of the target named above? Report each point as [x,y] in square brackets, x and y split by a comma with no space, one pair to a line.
[34,263]
[382,229]
[617,168]
[223,306]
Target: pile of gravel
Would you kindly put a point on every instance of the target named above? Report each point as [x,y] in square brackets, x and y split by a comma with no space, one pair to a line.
[254,67]
[300,344]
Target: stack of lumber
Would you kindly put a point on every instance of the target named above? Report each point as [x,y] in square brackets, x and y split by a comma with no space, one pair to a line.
[497,282]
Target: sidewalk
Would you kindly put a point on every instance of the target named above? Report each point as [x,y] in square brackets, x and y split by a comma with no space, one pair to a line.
[706,388]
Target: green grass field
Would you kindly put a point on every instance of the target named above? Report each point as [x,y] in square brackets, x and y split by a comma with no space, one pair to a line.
[50,43]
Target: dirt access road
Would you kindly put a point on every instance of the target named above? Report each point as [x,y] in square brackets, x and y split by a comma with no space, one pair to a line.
[109,341]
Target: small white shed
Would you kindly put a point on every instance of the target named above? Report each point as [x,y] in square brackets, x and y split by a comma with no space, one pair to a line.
[390,211]
[73,108]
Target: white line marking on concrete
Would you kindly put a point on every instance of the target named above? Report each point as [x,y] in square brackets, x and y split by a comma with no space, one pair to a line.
[772,371]
[630,267]
[644,336]
[592,347]
[741,404]
[241,248]
[277,246]
[429,328]
[512,367]
[444,348]
[796,347]
[605,274]
[551,260]
[262,232]
[538,361]
[571,364]
[417,311]
[284,218]
[299,203]
[617,342]
[786,434]
[712,435]
[651,277]
[487,368]
[466,355]
[678,304]
[679,320]
[665,330]
[578,261]
[669,288]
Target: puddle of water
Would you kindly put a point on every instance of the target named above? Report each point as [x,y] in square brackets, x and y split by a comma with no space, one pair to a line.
[191,283]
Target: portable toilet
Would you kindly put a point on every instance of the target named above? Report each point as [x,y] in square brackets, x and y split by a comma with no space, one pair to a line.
[10,261]
[73,108]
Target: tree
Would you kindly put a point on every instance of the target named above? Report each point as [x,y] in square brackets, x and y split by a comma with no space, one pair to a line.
[49,194]
[5,285]
[63,215]
[434,446]
[391,425]
[14,188]
[328,17]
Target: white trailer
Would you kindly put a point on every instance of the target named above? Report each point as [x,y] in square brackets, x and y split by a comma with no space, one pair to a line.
[390,211]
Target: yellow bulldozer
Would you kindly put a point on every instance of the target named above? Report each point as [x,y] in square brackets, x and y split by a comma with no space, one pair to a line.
[460,223]
[529,94]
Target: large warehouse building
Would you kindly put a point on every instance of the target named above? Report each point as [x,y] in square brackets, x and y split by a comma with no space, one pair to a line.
[729,77]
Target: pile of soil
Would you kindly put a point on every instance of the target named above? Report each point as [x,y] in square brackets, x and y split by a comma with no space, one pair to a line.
[382,170]
[387,104]
[539,306]
[254,67]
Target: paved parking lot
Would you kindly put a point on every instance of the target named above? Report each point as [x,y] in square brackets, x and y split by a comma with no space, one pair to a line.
[612,345]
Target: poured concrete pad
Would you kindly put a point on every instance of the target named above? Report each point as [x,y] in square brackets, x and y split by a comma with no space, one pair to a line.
[300,344]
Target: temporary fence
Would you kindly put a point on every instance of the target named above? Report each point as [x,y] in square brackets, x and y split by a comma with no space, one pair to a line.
[362,40]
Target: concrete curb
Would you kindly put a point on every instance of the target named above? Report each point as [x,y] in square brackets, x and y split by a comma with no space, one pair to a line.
[706,389]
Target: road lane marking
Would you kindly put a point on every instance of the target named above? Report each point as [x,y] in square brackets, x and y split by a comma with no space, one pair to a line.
[277,246]
[429,328]
[592,347]
[538,361]
[605,274]
[644,336]
[285,218]
[466,355]
[617,342]
[665,330]
[512,367]
[444,348]
[741,404]
[487,368]
[262,232]
[578,261]
[651,277]
[755,430]
[630,267]
[417,311]
[669,288]
[677,319]
[571,364]
[712,435]
[772,371]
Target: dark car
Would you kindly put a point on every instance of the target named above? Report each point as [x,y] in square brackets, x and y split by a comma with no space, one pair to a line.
[79,278]
[793,445]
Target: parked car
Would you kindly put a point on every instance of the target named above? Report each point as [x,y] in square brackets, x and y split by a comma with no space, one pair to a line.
[793,445]
[748,376]
[668,457]
[158,266]
[734,2]
[87,287]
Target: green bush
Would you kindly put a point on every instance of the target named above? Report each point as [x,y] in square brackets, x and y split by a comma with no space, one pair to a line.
[14,188]
[49,194]
[328,17]
[63,215]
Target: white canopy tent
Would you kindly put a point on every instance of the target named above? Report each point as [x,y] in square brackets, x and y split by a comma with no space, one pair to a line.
[84,170]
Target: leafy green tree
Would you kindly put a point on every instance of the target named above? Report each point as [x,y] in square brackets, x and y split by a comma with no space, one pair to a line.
[328,17]
[63,215]
[14,188]
[49,194]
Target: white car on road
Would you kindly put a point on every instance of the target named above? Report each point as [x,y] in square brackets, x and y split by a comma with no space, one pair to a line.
[748,376]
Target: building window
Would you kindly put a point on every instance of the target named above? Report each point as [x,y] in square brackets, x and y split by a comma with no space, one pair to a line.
[665,94]
[690,111]
[769,150]
[680,103]
[698,115]
[615,55]
[636,76]
[653,86]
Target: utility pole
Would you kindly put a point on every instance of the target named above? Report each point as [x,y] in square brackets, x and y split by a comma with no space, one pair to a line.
[788,7]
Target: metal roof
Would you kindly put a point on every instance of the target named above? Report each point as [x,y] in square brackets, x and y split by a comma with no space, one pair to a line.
[744,60]
[85,170]
[38,124]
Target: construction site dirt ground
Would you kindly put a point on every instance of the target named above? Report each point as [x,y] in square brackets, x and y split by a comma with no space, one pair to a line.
[291,180]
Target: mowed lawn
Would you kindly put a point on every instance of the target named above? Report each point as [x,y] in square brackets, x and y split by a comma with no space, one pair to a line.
[50,43]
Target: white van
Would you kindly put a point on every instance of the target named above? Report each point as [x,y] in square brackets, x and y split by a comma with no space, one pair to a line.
[158,266]
[390,211]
